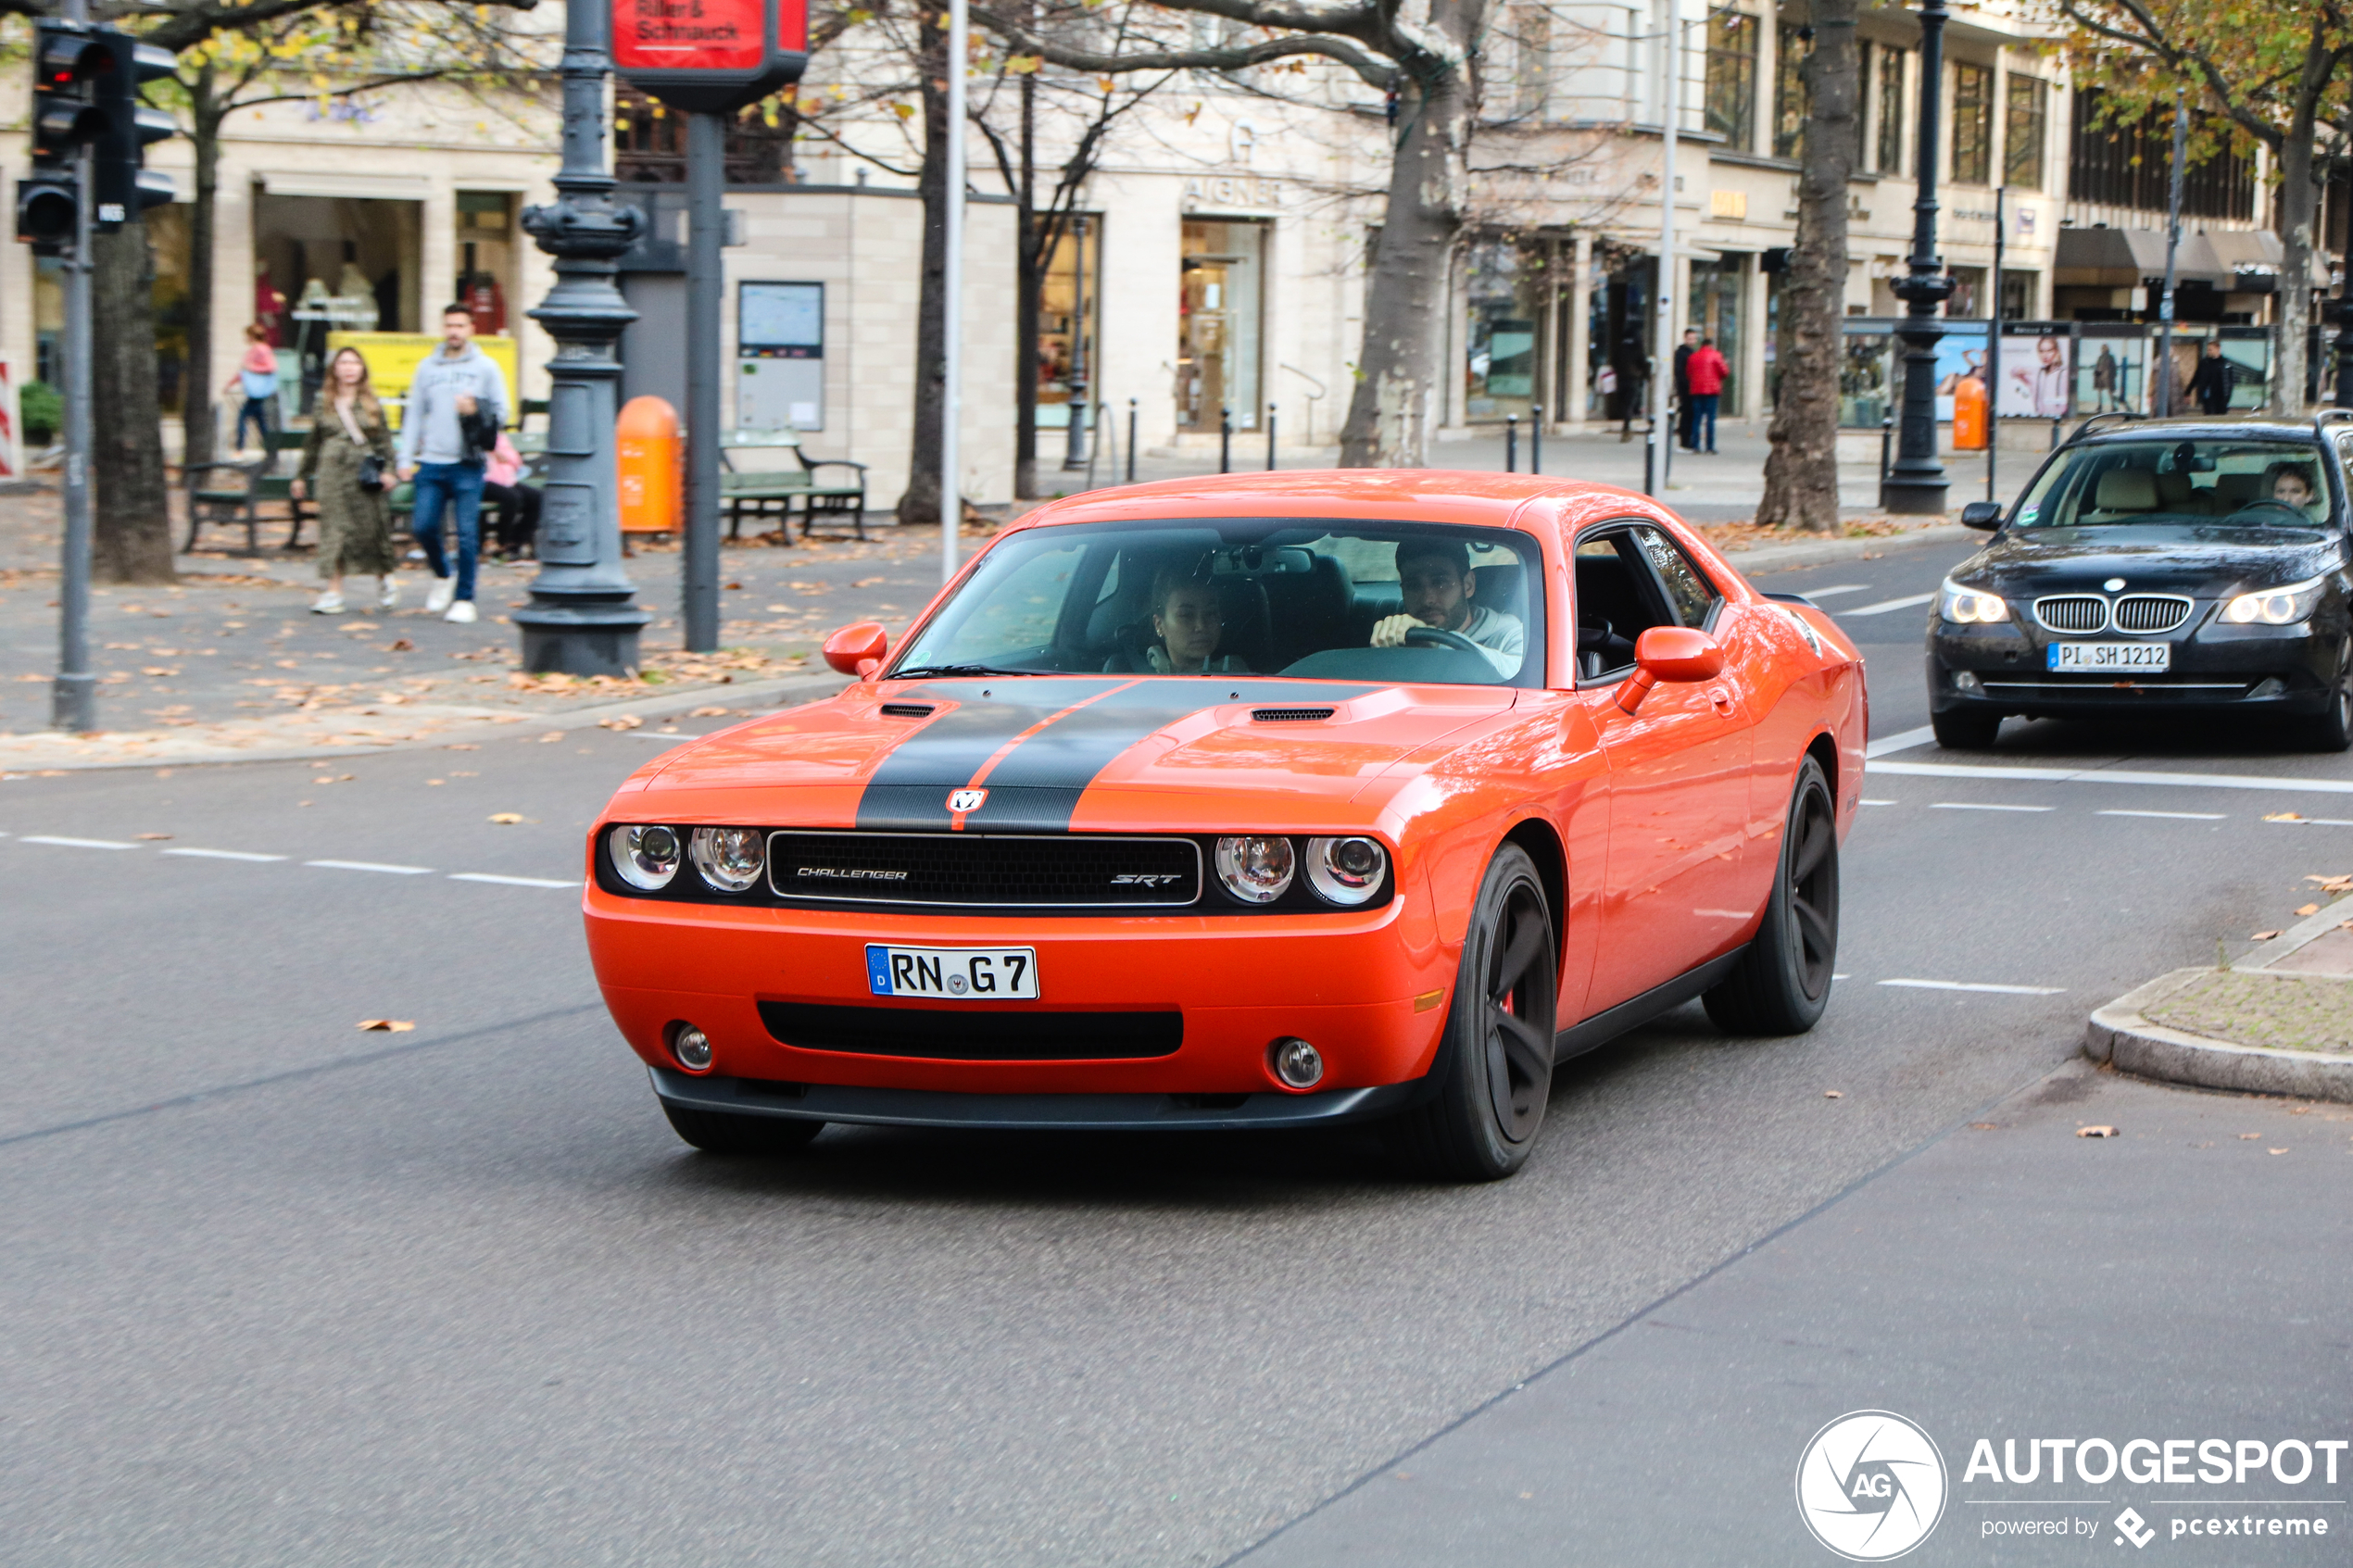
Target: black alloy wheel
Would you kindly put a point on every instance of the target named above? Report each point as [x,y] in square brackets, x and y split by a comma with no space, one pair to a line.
[1494,1067]
[724,1132]
[2333,730]
[1783,981]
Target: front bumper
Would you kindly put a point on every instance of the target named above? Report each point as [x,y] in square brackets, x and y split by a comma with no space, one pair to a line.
[1097,1113]
[2256,670]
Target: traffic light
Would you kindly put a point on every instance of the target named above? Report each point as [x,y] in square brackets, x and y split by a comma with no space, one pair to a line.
[126,189]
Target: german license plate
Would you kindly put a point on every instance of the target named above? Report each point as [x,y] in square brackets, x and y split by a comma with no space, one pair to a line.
[962,974]
[2109,658]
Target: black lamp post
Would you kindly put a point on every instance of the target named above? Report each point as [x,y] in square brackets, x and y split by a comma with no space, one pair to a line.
[1915,483]
[582,619]
[2344,306]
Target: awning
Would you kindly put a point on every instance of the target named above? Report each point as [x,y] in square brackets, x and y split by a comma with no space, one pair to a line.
[2255,258]
[2126,259]
[364,187]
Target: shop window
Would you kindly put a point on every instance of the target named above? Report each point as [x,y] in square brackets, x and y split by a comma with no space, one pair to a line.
[2024,113]
[1789,89]
[486,257]
[168,243]
[1717,288]
[1863,377]
[1732,79]
[1891,110]
[1969,292]
[1069,319]
[1223,267]
[330,264]
[2017,294]
[1972,124]
[1504,292]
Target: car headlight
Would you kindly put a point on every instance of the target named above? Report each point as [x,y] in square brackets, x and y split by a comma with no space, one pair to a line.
[2275,607]
[1966,607]
[729,858]
[1255,868]
[644,856]
[1345,871]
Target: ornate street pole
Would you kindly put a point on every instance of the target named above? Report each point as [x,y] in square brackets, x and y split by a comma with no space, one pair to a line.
[582,619]
[1915,483]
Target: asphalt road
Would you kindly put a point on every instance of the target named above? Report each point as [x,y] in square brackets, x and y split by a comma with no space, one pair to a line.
[280,1291]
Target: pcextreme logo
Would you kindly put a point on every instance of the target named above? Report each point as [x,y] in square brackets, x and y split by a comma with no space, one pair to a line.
[1870,1485]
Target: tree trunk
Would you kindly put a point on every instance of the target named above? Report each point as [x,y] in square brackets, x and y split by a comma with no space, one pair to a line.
[2295,204]
[1801,473]
[1399,379]
[1029,258]
[132,521]
[196,389]
[921,502]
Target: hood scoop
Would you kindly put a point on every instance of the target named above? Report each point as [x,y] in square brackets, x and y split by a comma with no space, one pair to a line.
[908,709]
[1287,715]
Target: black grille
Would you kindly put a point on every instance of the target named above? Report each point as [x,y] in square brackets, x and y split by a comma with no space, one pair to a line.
[974,1033]
[2073,612]
[2151,612]
[980,871]
[1288,715]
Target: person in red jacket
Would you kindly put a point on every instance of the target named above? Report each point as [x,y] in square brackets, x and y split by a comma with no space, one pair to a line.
[1707,373]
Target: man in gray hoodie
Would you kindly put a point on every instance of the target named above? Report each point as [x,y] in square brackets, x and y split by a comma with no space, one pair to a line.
[455,384]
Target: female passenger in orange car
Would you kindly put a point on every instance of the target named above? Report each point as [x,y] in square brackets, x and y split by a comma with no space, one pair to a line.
[1435,577]
[1188,621]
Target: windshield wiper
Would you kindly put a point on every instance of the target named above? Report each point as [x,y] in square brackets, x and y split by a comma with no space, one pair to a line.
[934,671]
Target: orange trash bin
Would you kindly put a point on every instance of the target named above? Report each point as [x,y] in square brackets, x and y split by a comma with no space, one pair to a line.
[1969,413]
[647,438]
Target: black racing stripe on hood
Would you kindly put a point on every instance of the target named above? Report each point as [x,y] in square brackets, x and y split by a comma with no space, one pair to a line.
[909,789]
[1038,784]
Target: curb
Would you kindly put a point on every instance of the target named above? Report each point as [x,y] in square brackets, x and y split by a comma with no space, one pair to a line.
[1785,557]
[2120,1034]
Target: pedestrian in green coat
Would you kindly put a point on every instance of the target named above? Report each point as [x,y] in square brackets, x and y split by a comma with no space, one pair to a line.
[347,428]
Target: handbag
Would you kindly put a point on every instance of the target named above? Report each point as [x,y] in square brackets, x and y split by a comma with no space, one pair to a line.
[371,472]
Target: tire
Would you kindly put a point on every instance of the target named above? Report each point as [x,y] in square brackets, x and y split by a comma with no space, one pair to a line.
[1495,1059]
[2333,730]
[1783,981]
[724,1132]
[1962,731]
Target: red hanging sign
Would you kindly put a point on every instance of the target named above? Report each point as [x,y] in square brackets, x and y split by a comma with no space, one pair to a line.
[709,56]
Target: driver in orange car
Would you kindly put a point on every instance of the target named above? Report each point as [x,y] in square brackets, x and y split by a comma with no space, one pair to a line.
[1436,579]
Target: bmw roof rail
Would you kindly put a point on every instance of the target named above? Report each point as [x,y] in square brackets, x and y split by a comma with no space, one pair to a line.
[2324,416]
[2123,415]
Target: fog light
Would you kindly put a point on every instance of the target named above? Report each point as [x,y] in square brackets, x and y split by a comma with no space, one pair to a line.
[1965,681]
[692,1048]
[1297,1063]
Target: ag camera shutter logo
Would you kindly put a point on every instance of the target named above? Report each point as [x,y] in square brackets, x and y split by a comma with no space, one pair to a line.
[1870,1485]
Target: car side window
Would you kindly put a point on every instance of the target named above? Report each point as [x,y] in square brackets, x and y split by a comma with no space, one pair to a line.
[1617,599]
[1694,597]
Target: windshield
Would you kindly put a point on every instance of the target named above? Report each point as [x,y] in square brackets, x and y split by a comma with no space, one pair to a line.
[1403,602]
[2242,481]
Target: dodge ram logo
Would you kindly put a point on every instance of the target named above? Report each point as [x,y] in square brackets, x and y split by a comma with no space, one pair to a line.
[962,800]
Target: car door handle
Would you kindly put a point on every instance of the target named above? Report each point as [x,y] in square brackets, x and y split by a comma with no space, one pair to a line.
[1722,700]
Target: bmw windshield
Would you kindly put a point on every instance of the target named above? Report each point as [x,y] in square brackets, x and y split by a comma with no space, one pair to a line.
[2246,482]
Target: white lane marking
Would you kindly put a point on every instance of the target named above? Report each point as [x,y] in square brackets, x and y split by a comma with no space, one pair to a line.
[1903,740]
[1972,985]
[1981,806]
[1834,588]
[678,736]
[2312,823]
[2170,816]
[2112,775]
[1866,802]
[509,881]
[223,855]
[75,842]
[1906,602]
[370,866]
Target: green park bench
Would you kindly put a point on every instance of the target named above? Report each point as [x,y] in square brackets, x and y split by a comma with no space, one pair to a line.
[233,492]
[764,491]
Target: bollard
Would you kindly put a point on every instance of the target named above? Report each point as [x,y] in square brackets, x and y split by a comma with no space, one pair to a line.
[1536,439]
[1131,441]
[1225,441]
[1511,442]
[2055,434]
[1886,443]
[1270,438]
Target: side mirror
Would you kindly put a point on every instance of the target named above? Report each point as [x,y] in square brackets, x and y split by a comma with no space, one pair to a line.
[1669,653]
[1986,515]
[858,649]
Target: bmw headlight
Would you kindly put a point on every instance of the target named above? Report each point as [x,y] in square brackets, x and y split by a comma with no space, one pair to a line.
[1345,871]
[729,858]
[1255,868]
[2275,607]
[1968,606]
[644,856]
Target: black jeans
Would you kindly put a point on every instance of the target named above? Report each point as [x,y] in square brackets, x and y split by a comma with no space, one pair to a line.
[518,523]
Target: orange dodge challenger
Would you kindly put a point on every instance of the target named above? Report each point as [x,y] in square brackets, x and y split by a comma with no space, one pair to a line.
[1265,800]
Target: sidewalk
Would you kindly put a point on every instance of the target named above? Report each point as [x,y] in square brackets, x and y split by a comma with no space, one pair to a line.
[2283,1025]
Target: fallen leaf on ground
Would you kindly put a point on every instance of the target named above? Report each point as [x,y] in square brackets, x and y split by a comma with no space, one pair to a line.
[2263,936]
[2279,1151]
[400,645]
[2101,1132]
[870,581]
[1983,1127]
[551,736]
[461,745]
[157,670]
[436,781]
[620,721]
[735,584]
[2281,817]
[506,819]
[154,835]
[1834,1094]
[387,1026]
[2246,1137]
[2309,909]
[708,713]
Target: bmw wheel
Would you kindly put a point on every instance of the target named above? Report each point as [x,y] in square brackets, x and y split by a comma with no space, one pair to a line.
[1783,981]
[721,1132]
[1495,1062]
[2333,730]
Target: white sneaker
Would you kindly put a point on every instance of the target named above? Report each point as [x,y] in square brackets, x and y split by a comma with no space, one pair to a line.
[391,594]
[462,612]
[327,604]
[444,590]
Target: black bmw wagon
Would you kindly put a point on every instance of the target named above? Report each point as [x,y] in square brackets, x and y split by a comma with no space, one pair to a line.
[2175,566]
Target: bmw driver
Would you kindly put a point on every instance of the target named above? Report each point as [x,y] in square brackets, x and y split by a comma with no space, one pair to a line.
[1436,579]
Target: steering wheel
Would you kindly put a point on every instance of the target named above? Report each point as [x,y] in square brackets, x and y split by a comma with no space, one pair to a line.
[2302,518]
[1439,637]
